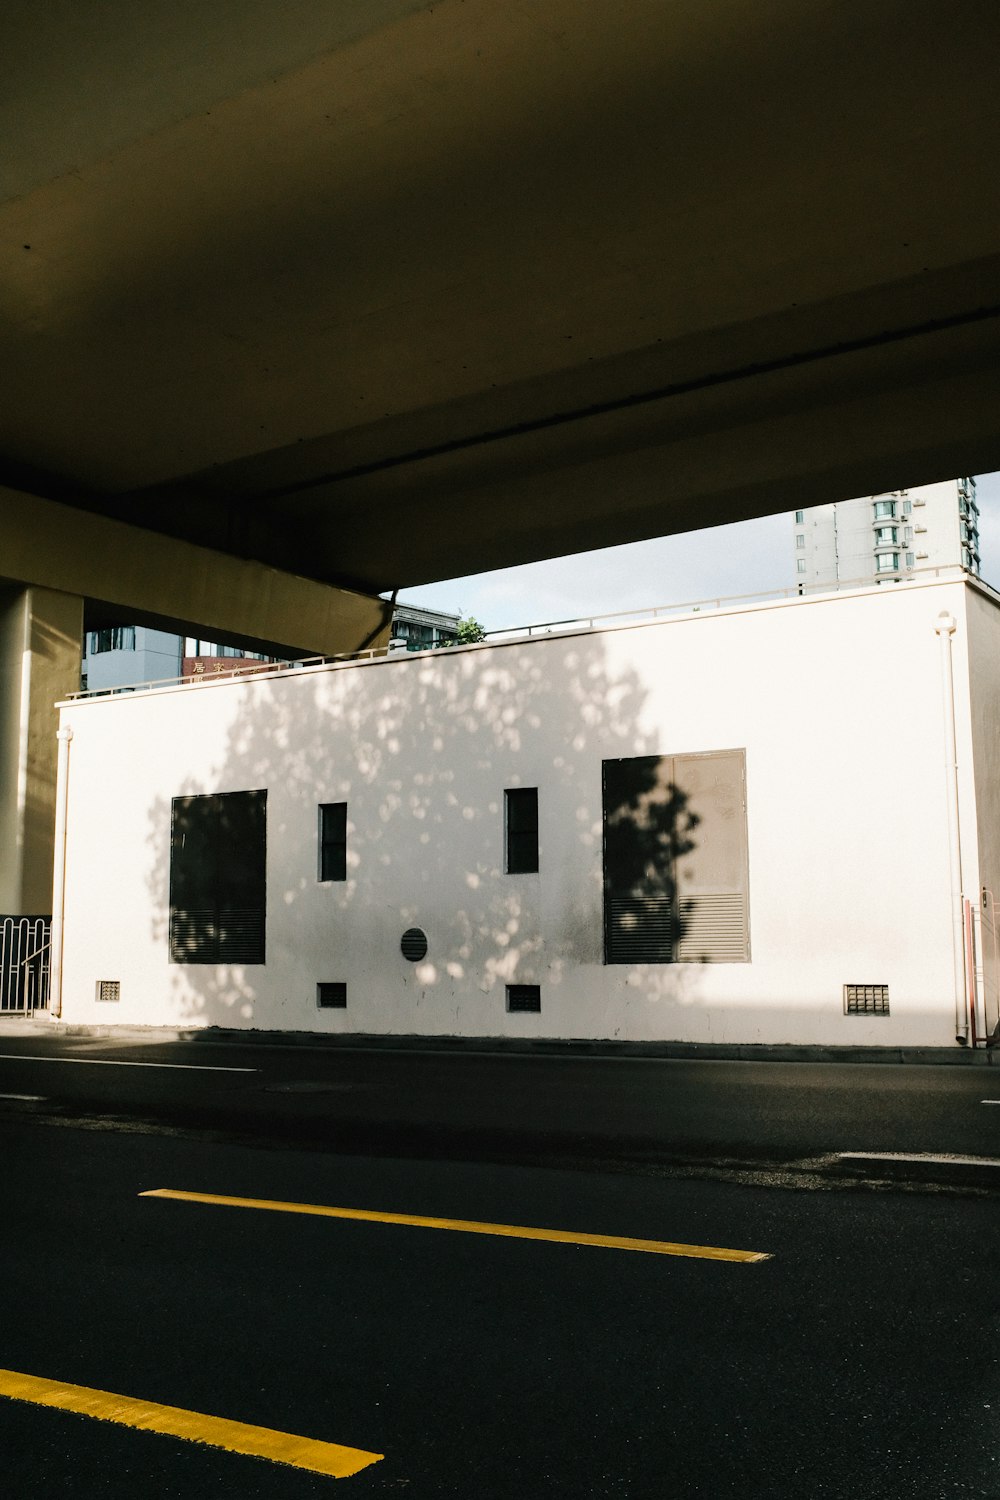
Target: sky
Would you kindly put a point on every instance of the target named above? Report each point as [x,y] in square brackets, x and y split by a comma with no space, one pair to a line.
[747,558]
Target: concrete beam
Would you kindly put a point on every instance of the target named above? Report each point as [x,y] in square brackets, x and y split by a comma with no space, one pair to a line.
[52,557]
[179,585]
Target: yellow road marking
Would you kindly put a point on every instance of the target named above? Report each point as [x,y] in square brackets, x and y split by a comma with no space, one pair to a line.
[193,1426]
[466,1226]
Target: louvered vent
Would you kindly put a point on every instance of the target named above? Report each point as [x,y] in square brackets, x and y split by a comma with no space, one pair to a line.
[640,931]
[675,859]
[109,989]
[231,936]
[413,944]
[524,997]
[714,929]
[866,999]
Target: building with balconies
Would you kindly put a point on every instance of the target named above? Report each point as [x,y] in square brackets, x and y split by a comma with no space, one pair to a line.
[888,537]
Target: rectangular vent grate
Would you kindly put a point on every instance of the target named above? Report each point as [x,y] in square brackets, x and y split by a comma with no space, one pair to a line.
[866,999]
[222,935]
[714,929]
[640,930]
[524,997]
[109,989]
[330,996]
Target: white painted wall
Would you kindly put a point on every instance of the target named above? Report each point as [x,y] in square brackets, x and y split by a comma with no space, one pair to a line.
[836,700]
[984,655]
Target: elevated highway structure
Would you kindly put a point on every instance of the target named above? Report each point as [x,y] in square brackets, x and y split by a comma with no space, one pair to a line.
[381,292]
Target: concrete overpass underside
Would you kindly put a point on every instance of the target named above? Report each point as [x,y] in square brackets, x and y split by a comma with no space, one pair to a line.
[381,292]
[384,291]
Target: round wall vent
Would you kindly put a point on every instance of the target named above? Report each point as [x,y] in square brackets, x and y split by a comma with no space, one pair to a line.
[414,944]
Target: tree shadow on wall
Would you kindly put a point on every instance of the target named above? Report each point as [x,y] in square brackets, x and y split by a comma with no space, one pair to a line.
[648,828]
[421,748]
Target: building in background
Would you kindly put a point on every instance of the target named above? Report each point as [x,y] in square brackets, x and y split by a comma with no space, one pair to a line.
[124,655]
[417,629]
[119,656]
[888,536]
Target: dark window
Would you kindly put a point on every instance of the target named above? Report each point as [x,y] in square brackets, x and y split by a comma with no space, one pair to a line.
[521,818]
[524,997]
[675,859]
[218,857]
[112,638]
[331,996]
[333,841]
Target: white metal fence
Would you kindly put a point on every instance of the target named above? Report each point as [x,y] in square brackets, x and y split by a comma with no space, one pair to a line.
[24,964]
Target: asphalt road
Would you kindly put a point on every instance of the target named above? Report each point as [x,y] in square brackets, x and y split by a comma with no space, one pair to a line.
[626,1113]
[861,1359]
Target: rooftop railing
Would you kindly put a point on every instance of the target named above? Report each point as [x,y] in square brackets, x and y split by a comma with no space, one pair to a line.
[572,625]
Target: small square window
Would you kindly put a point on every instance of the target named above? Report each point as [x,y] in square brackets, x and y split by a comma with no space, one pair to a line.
[524,997]
[109,990]
[331,996]
[333,841]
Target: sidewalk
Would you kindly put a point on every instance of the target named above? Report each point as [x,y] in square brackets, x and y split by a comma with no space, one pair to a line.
[955,1056]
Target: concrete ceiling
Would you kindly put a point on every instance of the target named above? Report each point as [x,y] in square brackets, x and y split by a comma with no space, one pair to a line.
[381,292]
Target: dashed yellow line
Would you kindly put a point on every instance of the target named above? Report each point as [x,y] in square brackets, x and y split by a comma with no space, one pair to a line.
[466,1226]
[193,1426]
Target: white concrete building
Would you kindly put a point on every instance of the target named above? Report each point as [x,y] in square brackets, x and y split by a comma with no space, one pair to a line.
[887,537]
[734,826]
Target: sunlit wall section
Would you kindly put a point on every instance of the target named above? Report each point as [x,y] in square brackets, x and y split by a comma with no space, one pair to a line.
[730,826]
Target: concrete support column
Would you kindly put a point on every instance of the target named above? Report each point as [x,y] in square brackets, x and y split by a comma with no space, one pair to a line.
[41,634]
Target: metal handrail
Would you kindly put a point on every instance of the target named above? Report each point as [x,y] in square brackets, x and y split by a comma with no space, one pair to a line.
[512,634]
[37,954]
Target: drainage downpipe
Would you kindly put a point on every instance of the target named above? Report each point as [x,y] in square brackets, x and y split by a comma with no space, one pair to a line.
[63,736]
[945,629]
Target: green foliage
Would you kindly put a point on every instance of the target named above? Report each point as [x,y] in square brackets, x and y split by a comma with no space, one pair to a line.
[470,630]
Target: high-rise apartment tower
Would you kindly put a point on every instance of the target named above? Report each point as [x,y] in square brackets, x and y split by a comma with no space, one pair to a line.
[889,536]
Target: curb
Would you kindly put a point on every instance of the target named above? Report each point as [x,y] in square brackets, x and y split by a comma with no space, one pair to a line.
[955,1056]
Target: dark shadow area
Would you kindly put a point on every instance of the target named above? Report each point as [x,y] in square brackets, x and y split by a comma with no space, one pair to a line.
[648,827]
[218,879]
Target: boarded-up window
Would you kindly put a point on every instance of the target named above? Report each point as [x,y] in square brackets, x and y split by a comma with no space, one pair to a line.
[675,859]
[218,856]
[333,841]
[521,816]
